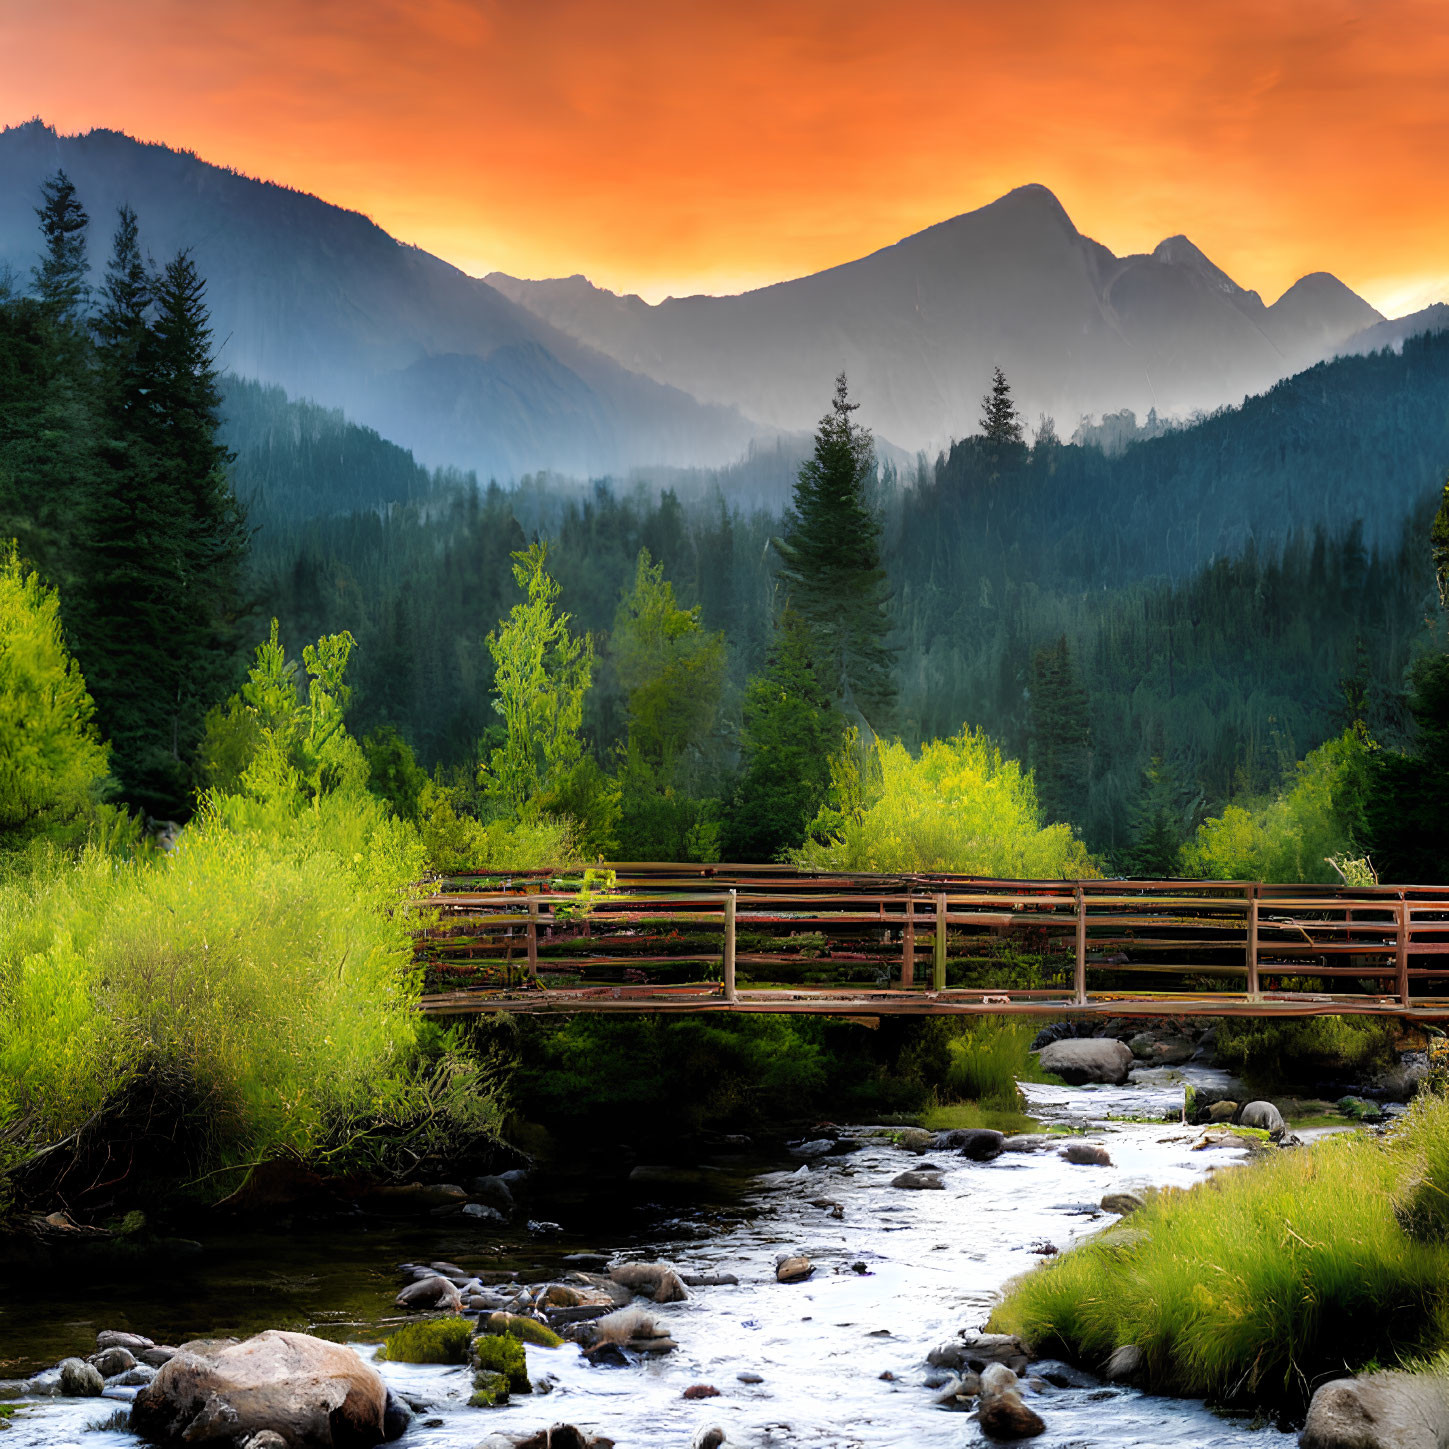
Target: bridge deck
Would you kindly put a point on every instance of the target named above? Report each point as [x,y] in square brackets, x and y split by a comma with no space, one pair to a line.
[672,938]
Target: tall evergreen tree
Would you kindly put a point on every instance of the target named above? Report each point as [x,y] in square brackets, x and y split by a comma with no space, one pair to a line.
[61,276]
[831,564]
[125,341]
[1061,734]
[790,731]
[1000,420]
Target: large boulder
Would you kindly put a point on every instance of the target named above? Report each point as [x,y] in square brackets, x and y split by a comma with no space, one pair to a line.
[315,1394]
[1088,1059]
[1263,1115]
[918,1181]
[977,1351]
[980,1144]
[1379,1411]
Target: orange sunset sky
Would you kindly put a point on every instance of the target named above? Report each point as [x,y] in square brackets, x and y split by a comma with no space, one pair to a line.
[678,147]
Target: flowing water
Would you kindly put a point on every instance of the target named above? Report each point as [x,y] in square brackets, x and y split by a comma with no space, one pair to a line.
[934,1263]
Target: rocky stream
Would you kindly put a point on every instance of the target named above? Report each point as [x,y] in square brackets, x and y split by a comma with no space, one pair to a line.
[905,1240]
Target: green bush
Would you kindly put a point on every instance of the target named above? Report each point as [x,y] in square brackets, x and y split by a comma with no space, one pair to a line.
[1256,1285]
[1302,833]
[431,1340]
[1305,1049]
[960,805]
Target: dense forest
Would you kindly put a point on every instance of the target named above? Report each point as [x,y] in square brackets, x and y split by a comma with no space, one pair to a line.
[1158,621]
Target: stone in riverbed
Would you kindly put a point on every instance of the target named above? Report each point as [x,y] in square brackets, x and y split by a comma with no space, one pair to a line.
[915,1139]
[80,1380]
[978,1351]
[1263,1115]
[133,1343]
[112,1361]
[658,1281]
[1086,1154]
[1124,1364]
[793,1268]
[918,1181]
[315,1394]
[980,1144]
[429,1293]
[1379,1411]
[1003,1414]
[1222,1111]
[1088,1059]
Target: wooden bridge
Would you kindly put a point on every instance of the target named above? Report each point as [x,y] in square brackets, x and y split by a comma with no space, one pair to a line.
[697,938]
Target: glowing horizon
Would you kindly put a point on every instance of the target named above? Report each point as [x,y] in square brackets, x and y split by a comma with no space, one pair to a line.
[661,152]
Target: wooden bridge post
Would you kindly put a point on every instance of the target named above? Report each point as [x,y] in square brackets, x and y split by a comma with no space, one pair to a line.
[532,940]
[938,970]
[1079,975]
[1254,992]
[908,945]
[1401,953]
[729,946]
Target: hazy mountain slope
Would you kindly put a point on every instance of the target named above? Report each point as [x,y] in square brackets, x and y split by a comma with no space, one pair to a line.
[919,325]
[1395,332]
[328,306]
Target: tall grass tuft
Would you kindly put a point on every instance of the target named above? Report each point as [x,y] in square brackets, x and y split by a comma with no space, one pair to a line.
[988,1056]
[1254,1286]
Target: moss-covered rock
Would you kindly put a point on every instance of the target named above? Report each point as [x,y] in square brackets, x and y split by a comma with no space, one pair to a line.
[431,1340]
[527,1330]
[490,1389]
[499,1353]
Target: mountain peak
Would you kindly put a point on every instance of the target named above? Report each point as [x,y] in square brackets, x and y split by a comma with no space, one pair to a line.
[1178,251]
[1032,200]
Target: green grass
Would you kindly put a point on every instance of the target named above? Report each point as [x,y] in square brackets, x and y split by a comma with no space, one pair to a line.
[1252,1286]
[1271,1052]
[526,1330]
[432,1340]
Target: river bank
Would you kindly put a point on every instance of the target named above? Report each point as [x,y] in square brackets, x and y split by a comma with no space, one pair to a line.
[838,1359]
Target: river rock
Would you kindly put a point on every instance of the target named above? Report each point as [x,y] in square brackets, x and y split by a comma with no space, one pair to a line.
[495,1192]
[267,1439]
[700,1391]
[915,1139]
[157,1355]
[658,1281]
[793,1268]
[482,1212]
[1121,1202]
[1223,1111]
[1029,1142]
[960,1392]
[977,1351]
[1379,1411]
[1162,1049]
[315,1394]
[79,1379]
[416,1197]
[820,1147]
[709,1280]
[563,1436]
[133,1343]
[112,1361]
[918,1181]
[980,1144]
[1002,1413]
[431,1293]
[1263,1115]
[1087,1154]
[1088,1059]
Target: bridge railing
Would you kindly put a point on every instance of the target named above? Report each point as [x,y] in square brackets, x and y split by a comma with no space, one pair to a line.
[668,931]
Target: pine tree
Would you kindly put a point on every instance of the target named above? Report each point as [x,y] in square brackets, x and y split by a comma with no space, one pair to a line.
[831,564]
[1000,420]
[1061,734]
[61,277]
[790,731]
[1439,547]
[124,338]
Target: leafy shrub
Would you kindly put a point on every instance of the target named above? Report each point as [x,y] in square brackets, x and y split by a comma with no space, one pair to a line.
[431,1340]
[1305,1049]
[51,758]
[1308,832]
[958,806]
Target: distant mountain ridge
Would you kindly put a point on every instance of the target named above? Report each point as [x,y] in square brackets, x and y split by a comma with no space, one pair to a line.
[325,304]
[506,377]
[919,325]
